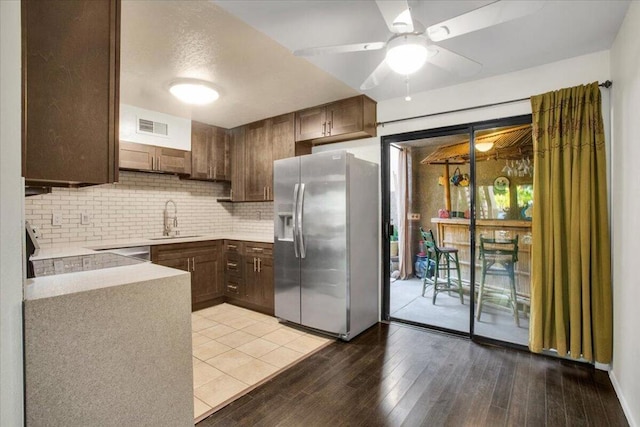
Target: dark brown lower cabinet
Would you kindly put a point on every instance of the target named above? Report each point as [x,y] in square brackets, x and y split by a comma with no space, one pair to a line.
[204,261]
[234,271]
[249,276]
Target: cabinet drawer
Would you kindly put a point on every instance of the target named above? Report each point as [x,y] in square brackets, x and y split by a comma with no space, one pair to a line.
[233,247]
[254,248]
[234,288]
[233,264]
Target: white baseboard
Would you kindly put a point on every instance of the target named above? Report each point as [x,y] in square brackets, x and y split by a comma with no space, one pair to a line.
[623,402]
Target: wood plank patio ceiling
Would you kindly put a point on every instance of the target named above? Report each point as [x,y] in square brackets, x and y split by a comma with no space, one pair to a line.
[512,143]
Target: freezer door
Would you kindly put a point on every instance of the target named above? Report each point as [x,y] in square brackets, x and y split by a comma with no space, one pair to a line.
[323,243]
[286,178]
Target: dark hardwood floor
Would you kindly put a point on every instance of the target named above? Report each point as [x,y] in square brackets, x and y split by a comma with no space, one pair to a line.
[395,375]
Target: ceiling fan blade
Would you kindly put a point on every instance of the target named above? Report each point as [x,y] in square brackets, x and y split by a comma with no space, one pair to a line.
[378,75]
[454,62]
[483,17]
[345,48]
[397,15]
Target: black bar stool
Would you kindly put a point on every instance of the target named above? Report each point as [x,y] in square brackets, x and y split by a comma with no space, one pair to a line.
[440,259]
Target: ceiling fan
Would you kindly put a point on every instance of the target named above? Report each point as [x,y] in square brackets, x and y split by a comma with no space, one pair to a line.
[411,44]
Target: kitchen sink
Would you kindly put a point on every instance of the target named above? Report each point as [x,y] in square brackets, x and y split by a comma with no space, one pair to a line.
[186,236]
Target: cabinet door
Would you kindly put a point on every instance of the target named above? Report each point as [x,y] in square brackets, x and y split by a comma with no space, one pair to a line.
[310,123]
[344,116]
[137,156]
[283,136]
[219,154]
[258,161]
[206,275]
[265,276]
[237,149]
[201,135]
[251,283]
[70,69]
[173,161]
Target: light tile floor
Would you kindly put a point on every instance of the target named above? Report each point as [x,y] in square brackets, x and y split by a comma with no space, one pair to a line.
[235,350]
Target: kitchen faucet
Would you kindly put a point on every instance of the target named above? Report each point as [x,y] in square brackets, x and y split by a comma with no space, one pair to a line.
[170,222]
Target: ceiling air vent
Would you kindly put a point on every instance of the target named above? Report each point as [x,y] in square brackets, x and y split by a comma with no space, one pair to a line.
[151,127]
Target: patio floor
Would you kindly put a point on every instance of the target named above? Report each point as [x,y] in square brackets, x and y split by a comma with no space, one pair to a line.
[407,303]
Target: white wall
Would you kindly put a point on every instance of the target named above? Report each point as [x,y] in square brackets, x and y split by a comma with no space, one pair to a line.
[11,228]
[179,129]
[625,63]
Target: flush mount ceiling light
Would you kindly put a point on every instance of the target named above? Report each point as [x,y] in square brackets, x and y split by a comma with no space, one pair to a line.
[193,91]
[484,146]
[407,53]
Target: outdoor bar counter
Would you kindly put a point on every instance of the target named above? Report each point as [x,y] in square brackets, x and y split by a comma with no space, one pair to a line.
[454,232]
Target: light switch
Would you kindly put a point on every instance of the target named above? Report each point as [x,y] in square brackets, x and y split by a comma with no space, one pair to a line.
[85,218]
[56,219]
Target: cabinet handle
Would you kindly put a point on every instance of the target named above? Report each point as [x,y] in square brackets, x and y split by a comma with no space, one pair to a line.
[264,193]
[193,264]
[231,246]
[153,163]
[324,128]
[209,172]
[232,287]
[232,264]
[188,264]
[158,163]
[257,250]
[255,268]
[259,265]
[215,171]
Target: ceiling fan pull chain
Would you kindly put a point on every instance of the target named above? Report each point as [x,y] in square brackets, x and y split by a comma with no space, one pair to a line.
[406,82]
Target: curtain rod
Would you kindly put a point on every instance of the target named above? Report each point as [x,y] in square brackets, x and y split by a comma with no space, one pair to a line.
[606,84]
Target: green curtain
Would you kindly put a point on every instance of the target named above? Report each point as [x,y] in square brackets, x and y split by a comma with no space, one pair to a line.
[571,295]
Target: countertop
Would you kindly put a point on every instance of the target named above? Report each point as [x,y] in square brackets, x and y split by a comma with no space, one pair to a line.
[82,281]
[85,248]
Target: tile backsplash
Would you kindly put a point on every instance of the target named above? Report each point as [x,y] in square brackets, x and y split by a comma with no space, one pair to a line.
[134,208]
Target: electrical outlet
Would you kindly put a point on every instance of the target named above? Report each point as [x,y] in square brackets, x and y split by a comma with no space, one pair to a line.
[56,219]
[85,218]
[413,217]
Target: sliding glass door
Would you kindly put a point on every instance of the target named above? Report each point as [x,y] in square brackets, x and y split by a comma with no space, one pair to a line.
[503,189]
[428,281]
[455,198]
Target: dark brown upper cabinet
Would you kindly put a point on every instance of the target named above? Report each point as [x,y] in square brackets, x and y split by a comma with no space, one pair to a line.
[254,147]
[70,65]
[151,158]
[210,159]
[351,118]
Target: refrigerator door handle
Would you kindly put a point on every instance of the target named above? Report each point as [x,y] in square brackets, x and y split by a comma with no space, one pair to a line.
[303,251]
[295,220]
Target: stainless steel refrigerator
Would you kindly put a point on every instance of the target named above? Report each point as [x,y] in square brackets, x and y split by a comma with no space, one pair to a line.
[326,246]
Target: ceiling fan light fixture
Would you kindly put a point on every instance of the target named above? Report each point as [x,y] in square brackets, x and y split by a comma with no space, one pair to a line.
[407,54]
[193,91]
[484,146]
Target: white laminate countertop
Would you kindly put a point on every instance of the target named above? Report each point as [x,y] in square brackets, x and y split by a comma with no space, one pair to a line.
[82,281]
[64,284]
[86,248]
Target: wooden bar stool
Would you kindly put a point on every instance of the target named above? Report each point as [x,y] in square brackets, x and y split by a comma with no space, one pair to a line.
[440,259]
[499,257]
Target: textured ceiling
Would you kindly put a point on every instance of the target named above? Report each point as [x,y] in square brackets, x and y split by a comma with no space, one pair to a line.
[244,48]
[256,77]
